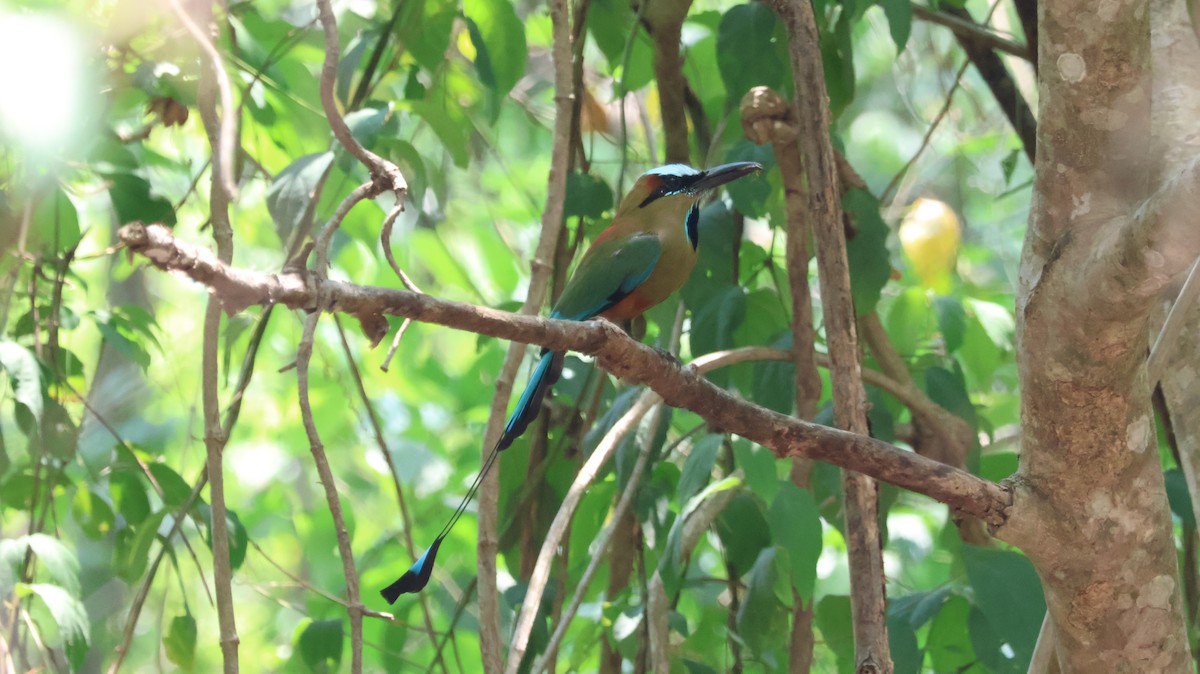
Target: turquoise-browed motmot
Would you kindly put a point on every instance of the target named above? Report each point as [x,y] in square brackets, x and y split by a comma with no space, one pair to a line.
[644,256]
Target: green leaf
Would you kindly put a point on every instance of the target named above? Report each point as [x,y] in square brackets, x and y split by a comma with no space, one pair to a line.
[834,620]
[129,494]
[56,222]
[758,462]
[1009,593]
[743,531]
[448,122]
[997,321]
[424,29]
[948,389]
[714,323]
[319,644]
[919,608]
[130,193]
[750,194]
[762,618]
[870,265]
[57,559]
[26,379]
[70,616]
[291,192]
[698,467]
[899,15]
[239,539]
[499,38]
[948,644]
[135,556]
[837,57]
[175,491]
[1179,498]
[748,51]
[587,196]
[952,321]
[92,513]
[902,641]
[796,525]
[180,642]
[347,66]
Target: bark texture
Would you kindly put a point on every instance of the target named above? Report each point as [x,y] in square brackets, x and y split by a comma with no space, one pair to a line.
[1104,238]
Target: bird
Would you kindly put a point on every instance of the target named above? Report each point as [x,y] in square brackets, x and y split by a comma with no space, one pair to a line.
[643,257]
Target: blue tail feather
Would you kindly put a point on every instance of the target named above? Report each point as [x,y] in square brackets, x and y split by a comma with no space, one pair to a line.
[530,403]
[544,375]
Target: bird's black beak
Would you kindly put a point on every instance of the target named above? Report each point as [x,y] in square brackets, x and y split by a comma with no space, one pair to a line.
[719,175]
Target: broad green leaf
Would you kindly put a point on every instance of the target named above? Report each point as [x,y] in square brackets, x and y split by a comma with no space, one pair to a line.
[837,57]
[292,191]
[698,467]
[448,122]
[910,322]
[834,620]
[714,322]
[750,194]
[744,532]
[347,66]
[57,559]
[948,645]
[1009,592]
[175,490]
[997,321]
[25,377]
[758,463]
[762,618]
[749,52]
[129,494]
[180,642]
[870,265]
[70,616]
[587,196]
[56,222]
[796,526]
[902,641]
[134,554]
[952,321]
[131,194]
[424,28]
[990,648]
[919,608]
[499,38]
[319,644]
[948,389]
[92,513]
[899,15]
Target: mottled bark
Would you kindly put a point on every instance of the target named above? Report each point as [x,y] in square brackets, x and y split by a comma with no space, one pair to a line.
[1104,239]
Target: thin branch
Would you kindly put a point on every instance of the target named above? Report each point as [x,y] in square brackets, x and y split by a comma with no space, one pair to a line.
[355,606]
[381,443]
[1172,329]
[587,474]
[616,353]
[552,218]
[223,166]
[384,173]
[824,215]
[969,31]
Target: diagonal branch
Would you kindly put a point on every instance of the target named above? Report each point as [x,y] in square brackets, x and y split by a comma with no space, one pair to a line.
[615,351]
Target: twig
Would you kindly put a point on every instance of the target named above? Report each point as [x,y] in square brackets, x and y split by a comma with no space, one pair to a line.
[1168,336]
[967,30]
[585,477]
[552,217]
[824,213]
[616,353]
[933,125]
[223,166]
[381,443]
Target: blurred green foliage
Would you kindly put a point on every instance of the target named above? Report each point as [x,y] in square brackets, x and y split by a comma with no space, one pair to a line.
[101,439]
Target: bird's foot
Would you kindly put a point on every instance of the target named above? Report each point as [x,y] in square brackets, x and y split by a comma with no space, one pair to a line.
[668,355]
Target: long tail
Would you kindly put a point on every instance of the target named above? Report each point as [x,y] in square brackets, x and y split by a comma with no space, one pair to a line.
[544,375]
